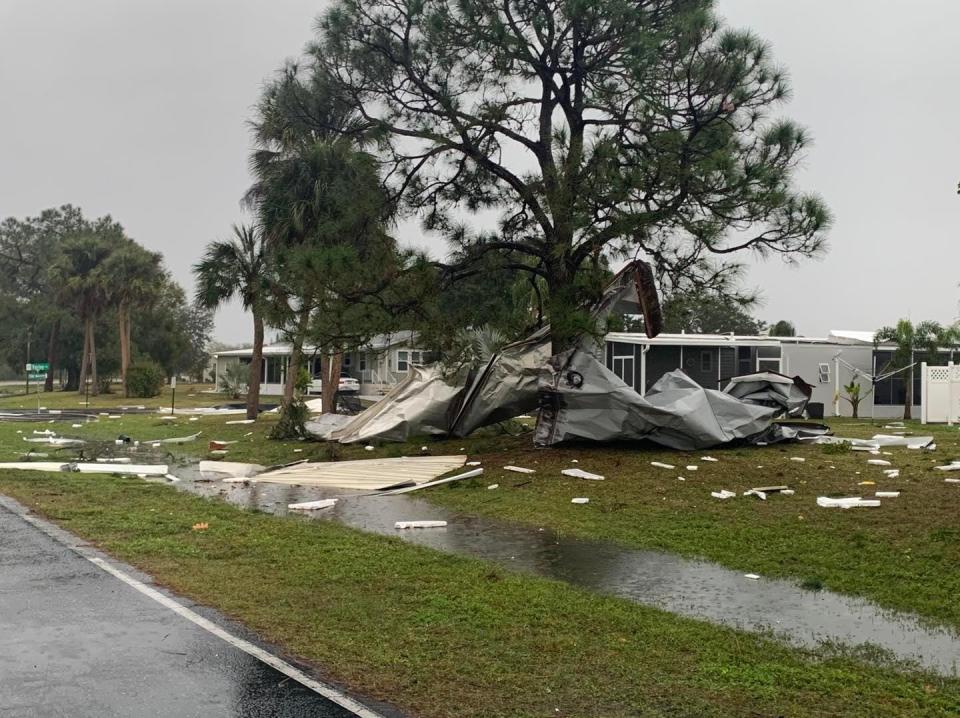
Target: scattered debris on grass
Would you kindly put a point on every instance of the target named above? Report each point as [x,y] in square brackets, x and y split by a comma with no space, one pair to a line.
[580,501]
[887,494]
[661,465]
[519,470]
[313,505]
[420,524]
[761,491]
[752,576]
[846,503]
[581,474]
[723,494]
[410,486]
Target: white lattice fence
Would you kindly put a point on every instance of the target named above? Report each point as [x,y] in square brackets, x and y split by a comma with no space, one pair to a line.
[940,393]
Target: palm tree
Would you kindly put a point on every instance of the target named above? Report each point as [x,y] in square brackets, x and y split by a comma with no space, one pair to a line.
[135,276]
[78,271]
[239,267]
[908,339]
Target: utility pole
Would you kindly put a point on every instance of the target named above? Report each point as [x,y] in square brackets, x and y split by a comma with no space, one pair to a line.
[27,366]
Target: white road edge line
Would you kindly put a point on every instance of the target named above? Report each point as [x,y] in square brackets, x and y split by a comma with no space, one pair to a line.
[332,694]
[328,692]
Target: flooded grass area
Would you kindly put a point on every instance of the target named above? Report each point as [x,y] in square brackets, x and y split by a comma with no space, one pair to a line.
[698,589]
[443,635]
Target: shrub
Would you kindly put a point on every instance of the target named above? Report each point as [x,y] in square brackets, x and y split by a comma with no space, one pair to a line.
[233,380]
[144,379]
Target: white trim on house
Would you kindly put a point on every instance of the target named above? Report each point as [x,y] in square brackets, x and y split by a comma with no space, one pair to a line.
[375,365]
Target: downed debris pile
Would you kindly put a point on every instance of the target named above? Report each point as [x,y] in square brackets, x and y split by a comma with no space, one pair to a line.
[578,397]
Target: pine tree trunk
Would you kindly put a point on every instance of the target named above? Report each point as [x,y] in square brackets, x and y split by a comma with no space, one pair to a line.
[562,307]
[95,384]
[84,356]
[256,369]
[330,368]
[52,347]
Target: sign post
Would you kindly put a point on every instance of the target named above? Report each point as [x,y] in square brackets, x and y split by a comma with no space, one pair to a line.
[173,392]
[36,371]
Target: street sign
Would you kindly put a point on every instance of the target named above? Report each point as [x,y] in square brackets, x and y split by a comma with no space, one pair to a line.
[38,367]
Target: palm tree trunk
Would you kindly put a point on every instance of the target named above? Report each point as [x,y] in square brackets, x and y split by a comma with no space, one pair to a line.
[124,344]
[330,366]
[296,354]
[52,347]
[256,368]
[95,388]
[84,355]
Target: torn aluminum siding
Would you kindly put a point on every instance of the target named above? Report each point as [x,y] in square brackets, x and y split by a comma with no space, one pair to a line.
[583,400]
[767,388]
[457,403]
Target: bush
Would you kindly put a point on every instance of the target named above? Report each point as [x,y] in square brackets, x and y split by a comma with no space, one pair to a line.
[233,380]
[145,379]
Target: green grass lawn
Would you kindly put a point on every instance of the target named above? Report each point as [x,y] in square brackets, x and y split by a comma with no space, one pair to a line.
[442,635]
[188,395]
[903,555]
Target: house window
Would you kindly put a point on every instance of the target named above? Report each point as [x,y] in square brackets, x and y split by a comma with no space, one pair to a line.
[706,362]
[273,370]
[768,365]
[403,361]
[824,372]
[347,358]
[363,362]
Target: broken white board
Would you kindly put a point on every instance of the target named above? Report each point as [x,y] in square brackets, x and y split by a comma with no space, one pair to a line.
[580,500]
[313,505]
[519,470]
[56,441]
[661,465]
[87,468]
[439,482]
[846,503]
[420,524]
[723,494]
[179,439]
[581,474]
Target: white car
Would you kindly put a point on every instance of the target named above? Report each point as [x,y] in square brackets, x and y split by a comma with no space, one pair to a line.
[348,385]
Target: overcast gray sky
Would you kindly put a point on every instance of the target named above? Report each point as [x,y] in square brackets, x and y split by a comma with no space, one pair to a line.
[139,109]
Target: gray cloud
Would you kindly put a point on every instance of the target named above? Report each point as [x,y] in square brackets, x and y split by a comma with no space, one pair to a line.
[139,109]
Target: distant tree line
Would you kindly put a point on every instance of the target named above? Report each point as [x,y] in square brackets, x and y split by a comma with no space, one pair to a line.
[90,301]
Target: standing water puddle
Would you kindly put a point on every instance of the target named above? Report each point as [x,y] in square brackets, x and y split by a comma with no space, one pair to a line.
[698,589]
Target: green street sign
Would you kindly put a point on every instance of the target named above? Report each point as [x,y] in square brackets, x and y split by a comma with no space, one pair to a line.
[38,367]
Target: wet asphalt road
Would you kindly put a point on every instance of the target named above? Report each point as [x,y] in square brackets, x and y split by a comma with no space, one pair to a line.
[76,641]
